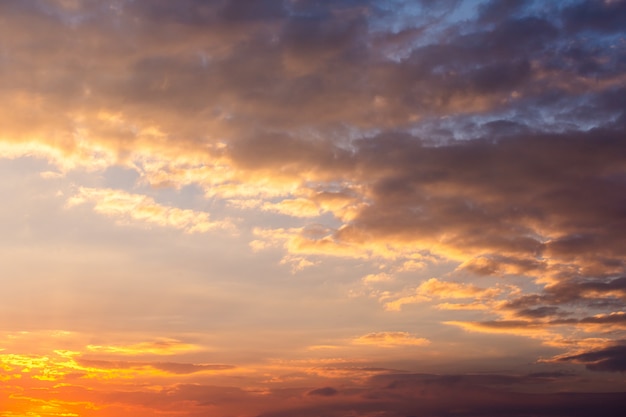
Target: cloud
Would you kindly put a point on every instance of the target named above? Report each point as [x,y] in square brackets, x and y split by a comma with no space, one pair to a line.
[550,327]
[485,395]
[611,358]
[391,339]
[216,109]
[324,392]
[603,16]
[564,294]
[169,367]
[439,289]
[122,205]
[475,305]
[138,388]
[528,328]
[294,207]
[158,347]
[493,142]
[436,289]
[376,278]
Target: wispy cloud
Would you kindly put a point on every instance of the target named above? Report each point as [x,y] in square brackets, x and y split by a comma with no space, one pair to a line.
[436,289]
[391,339]
[158,347]
[124,206]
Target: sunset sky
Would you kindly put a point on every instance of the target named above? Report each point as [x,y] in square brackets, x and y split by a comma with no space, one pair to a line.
[300,208]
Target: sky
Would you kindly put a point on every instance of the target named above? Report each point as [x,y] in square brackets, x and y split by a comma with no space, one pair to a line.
[278,208]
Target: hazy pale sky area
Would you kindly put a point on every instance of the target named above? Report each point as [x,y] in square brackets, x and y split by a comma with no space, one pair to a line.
[300,208]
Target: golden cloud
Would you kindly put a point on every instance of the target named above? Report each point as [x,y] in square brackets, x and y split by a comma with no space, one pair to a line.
[436,289]
[158,347]
[390,339]
[126,206]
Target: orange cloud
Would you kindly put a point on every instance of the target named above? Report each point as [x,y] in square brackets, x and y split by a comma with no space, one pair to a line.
[67,383]
[299,207]
[376,278]
[168,367]
[436,289]
[513,327]
[158,347]
[124,206]
[476,305]
[390,339]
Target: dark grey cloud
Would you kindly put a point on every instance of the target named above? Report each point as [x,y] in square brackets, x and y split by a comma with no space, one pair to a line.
[608,294]
[239,10]
[531,203]
[496,11]
[492,193]
[539,312]
[609,359]
[184,12]
[324,392]
[597,16]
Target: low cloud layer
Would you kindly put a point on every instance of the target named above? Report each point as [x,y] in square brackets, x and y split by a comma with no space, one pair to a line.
[484,395]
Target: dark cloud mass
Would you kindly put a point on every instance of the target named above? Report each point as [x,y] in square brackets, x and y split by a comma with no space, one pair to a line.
[324,392]
[499,138]
[609,359]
